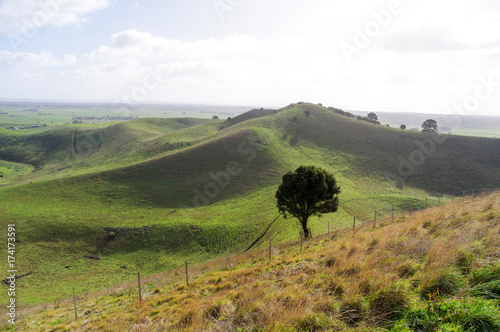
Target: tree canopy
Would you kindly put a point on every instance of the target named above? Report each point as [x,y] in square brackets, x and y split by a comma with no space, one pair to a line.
[430,125]
[306,192]
[372,116]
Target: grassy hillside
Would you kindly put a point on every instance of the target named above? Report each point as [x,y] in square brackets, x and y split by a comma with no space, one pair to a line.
[438,163]
[252,114]
[148,194]
[69,150]
[437,270]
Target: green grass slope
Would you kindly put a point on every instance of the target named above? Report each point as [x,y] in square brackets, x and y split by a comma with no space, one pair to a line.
[439,163]
[436,270]
[149,193]
[252,114]
[69,150]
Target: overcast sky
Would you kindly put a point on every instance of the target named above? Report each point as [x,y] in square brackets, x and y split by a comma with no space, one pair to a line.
[429,56]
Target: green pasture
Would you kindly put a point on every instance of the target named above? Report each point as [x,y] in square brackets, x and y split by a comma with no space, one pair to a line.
[147,194]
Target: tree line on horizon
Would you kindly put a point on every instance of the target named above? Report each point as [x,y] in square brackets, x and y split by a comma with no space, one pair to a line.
[429,125]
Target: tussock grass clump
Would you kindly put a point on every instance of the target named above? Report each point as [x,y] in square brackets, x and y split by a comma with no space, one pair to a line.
[483,274]
[389,304]
[319,322]
[408,268]
[447,282]
[353,310]
[489,290]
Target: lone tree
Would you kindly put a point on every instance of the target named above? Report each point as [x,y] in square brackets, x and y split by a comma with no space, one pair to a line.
[430,125]
[402,127]
[308,191]
[372,117]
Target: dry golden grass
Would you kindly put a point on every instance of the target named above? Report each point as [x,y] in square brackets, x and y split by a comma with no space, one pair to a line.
[349,282]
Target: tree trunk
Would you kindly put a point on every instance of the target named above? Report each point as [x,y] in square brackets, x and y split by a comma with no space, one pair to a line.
[306,231]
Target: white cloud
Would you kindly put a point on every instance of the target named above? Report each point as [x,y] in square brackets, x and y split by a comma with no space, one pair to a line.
[23,17]
[427,56]
[428,39]
[237,62]
[13,61]
[244,69]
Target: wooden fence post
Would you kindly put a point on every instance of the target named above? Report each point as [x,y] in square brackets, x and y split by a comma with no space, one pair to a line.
[300,236]
[375,220]
[74,302]
[328,230]
[426,202]
[270,246]
[353,226]
[411,207]
[392,213]
[229,260]
[187,274]
[139,283]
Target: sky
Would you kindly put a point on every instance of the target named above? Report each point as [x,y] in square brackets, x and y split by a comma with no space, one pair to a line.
[438,56]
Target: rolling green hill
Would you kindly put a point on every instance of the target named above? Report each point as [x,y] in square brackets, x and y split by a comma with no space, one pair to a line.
[69,150]
[150,193]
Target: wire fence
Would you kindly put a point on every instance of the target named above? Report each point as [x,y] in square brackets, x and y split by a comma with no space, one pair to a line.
[265,250]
